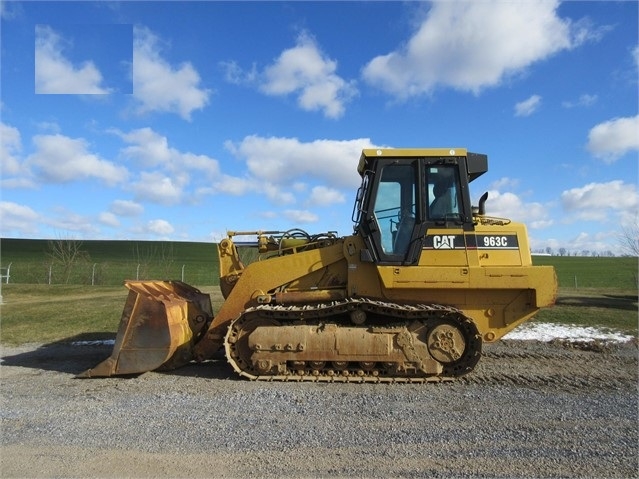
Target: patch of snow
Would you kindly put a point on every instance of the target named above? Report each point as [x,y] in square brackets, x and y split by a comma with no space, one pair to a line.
[546,332]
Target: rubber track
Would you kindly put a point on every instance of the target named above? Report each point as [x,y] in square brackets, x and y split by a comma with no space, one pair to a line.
[396,313]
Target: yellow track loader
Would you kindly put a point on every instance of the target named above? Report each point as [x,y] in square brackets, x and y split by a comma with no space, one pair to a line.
[424,280]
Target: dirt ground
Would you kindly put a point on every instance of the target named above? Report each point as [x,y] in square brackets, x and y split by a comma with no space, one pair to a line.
[530,409]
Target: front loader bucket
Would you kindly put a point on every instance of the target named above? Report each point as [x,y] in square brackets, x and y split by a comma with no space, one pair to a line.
[160,323]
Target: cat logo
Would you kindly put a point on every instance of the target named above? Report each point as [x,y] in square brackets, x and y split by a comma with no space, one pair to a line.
[444,242]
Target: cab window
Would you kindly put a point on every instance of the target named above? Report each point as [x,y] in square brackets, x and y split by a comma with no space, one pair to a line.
[443,194]
[394,208]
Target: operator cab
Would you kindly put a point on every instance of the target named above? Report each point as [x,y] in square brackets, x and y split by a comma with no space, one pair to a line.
[406,192]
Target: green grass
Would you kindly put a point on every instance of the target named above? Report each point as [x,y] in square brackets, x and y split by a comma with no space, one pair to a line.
[112,262]
[592,272]
[43,313]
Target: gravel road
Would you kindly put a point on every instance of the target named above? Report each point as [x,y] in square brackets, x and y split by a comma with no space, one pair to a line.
[530,409]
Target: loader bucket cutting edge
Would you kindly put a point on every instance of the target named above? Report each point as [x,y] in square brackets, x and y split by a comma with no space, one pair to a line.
[159,322]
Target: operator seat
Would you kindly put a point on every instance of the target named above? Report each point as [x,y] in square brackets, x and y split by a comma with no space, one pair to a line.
[442,204]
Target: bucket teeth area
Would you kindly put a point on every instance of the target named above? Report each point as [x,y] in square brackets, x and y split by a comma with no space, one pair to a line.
[160,323]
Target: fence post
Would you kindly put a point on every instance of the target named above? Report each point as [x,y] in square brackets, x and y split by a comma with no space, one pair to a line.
[137,273]
[5,274]
[50,268]
[183,273]
[575,281]
[93,275]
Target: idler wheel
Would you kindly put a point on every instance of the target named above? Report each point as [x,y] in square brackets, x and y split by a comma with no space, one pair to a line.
[237,347]
[446,343]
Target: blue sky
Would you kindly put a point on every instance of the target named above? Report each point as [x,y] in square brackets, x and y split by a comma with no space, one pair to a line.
[182,120]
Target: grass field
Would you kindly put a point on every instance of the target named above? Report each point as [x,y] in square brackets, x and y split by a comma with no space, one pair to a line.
[111,262]
[604,293]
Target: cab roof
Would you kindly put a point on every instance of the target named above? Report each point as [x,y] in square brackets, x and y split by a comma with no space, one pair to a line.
[477,163]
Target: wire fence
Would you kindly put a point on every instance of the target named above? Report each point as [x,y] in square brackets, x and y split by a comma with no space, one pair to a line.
[107,273]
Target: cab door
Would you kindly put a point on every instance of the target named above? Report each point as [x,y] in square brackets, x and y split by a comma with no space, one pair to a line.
[394,212]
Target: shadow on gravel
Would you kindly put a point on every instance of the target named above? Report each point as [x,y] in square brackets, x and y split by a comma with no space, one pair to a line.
[624,302]
[63,356]
[78,353]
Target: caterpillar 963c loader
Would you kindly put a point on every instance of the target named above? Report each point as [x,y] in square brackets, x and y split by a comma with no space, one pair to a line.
[411,296]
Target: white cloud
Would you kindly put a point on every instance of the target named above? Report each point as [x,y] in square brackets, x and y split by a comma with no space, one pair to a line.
[16,218]
[109,219]
[286,171]
[66,220]
[155,187]
[283,160]
[304,70]
[174,169]
[148,147]
[503,183]
[160,227]
[126,208]
[18,182]
[470,46]
[275,193]
[11,10]
[597,242]
[61,159]
[510,205]
[152,149]
[14,173]
[301,216]
[584,100]
[528,106]
[612,139]
[233,185]
[234,74]
[54,73]
[49,126]
[324,196]
[158,86]
[10,148]
[598,201]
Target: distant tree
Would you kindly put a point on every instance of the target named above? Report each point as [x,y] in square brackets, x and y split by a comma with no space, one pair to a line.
[66,254]
[548,250]
[629,240]
[562,251]
[154,258]
[585,252]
